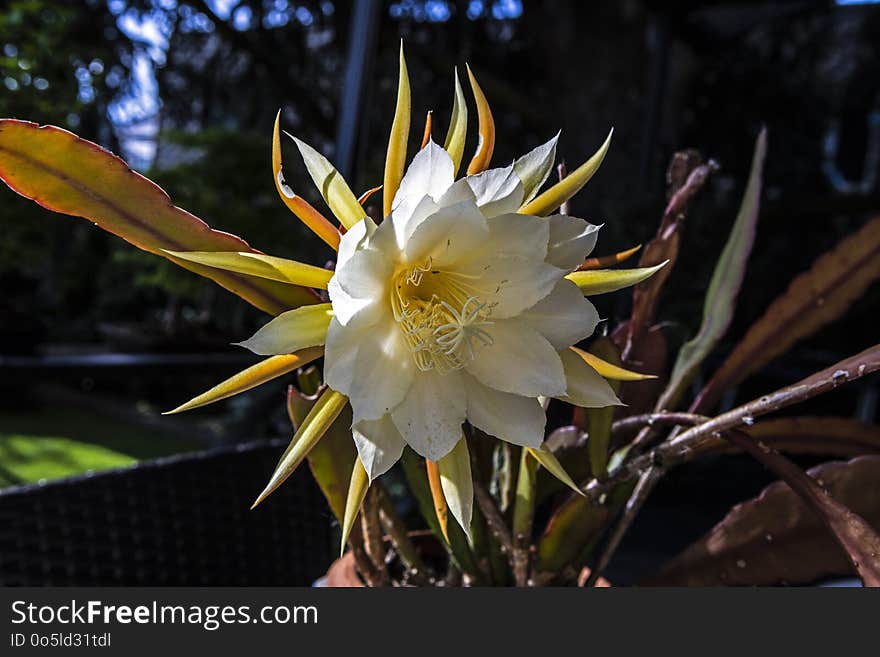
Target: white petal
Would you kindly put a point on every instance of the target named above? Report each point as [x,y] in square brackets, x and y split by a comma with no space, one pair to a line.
[447,234]
[519,235]
[498,191]
[431,415]
[372,366]
[564,316]
[571,241]
[430,173]
[534,167]
[586,388]
[509,284]
[353,239]
[291,331]
[360,286]
[458,484]
[516,419]
[519,360]
[379,444]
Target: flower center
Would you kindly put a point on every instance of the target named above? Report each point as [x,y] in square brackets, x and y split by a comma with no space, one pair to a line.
[441,315]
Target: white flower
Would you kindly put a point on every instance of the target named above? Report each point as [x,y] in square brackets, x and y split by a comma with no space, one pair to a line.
[462,305]
[456,308]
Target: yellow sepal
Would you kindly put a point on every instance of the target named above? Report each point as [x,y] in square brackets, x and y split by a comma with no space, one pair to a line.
[549,200]
[609,370]
[357,491]
[601,281]
[323,413]
[255,375]
[395,159]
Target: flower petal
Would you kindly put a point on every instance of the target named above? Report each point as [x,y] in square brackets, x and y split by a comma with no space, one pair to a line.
[571,240]
[360,287]
[373,366]
[291,331]
[429,174]
[585,387]
[519,360]
[498,191]
[516,419]
[379,444]
[458,484]
[509,284]
[534,167]
[430,416]
[518,235]
[354,239]
[446,234]
[564,316]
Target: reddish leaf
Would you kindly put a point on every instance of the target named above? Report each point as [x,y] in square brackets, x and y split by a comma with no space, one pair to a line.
[73,176]
[649,355]
[813,299]
[686,176]
[774,538]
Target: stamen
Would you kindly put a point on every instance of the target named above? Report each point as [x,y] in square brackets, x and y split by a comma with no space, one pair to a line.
[441,317]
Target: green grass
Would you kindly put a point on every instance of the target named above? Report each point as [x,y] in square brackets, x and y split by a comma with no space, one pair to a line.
[27,459]
[44,446]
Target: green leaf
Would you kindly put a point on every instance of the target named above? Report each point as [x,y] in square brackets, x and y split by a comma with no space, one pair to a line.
[599,420]
[813,299]
[66,174]
[524,502]
[575,523]
[417,481]
[724,287]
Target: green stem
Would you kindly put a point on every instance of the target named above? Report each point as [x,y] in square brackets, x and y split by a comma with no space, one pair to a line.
[523,514]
